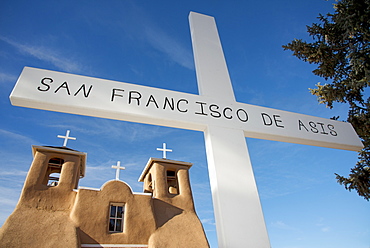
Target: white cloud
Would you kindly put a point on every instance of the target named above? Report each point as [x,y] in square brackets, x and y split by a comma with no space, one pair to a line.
[16,137]
[138,22]
[108,129]
[13,173]
[5,77]
[9,196]
[168,45]
[8,202]
[323,227]
[281,225]
[208,221]
[56,58]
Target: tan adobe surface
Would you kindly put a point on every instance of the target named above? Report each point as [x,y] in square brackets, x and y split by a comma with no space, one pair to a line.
[59,214]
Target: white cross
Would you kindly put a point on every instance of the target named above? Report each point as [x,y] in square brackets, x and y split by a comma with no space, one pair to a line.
[164,150]
[225,123]
[118,168]
[66,138]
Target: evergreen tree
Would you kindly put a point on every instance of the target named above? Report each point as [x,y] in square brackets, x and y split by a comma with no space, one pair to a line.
[341,49]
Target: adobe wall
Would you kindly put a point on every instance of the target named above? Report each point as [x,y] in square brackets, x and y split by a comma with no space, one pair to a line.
[91,211]
[63,217]
[40,218]
[177,222]
[31,228]
[183,230]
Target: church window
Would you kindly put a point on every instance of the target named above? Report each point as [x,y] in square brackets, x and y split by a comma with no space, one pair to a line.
[172,182]
[116,217]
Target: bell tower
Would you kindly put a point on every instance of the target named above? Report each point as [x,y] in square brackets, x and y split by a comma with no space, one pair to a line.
[54,174]
[168,181]
[46,201]
[173,205]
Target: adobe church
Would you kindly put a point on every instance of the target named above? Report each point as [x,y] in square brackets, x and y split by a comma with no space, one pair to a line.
[53,212]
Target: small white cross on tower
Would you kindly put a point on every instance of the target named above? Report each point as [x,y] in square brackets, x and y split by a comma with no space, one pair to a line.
[66,138]
[164,150]
[118,168]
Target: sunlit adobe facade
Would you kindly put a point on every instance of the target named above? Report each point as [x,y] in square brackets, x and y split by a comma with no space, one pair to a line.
[54,212]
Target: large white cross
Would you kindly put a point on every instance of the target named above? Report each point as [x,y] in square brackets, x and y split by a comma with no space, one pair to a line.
[225,123]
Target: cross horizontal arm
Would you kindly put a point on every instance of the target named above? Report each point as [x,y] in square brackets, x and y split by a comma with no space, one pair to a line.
[63,92]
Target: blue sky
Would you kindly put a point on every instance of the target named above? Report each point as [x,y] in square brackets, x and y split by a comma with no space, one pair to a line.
[148,43]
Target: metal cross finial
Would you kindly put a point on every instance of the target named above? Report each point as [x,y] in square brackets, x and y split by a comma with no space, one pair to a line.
[66,138]
[118,168]
[164,149]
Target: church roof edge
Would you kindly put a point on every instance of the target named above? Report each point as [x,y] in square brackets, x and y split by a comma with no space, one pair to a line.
[58,149]
[161,160]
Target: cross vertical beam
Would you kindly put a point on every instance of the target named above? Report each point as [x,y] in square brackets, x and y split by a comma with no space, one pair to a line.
[239,223]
